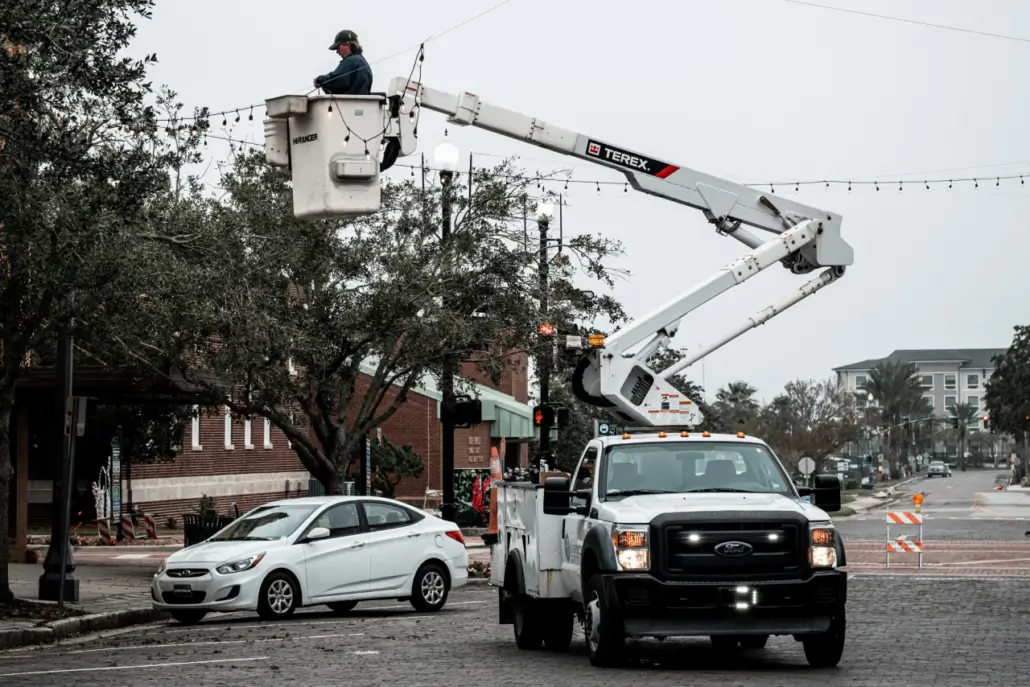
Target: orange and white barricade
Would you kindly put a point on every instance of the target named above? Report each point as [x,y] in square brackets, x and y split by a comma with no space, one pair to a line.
[104,532]
[148,524]
[905,543]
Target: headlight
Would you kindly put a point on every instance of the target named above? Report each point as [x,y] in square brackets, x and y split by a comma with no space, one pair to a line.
[240,565]
[631,548]
[822,550]
[161,568]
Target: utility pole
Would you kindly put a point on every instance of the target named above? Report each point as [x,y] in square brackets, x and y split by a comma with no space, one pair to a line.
[544,360]
[446,155]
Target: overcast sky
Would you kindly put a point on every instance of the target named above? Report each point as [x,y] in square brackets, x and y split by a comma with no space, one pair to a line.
[751,90]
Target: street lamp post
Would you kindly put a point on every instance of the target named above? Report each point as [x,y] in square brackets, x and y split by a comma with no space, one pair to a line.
[446,158]
[544,211]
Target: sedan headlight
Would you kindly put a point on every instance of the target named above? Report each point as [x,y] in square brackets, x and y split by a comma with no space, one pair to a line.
[822,549]
[161,568]
[240,565]
[631,547]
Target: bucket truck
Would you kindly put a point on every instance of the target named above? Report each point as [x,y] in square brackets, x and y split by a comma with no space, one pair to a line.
[661,531]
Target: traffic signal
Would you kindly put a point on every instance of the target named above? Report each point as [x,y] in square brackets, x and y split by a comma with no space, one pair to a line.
[467,412]
[543,415]
[987,422]
[546,329]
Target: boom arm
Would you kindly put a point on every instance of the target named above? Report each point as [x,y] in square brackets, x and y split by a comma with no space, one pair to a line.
[804,239]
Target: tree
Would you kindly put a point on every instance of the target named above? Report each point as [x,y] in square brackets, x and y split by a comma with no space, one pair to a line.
[80,163]
[1007,393]
[896,390]
[963,415]
[809,418]
[737,406]
[392,463]
[325,327]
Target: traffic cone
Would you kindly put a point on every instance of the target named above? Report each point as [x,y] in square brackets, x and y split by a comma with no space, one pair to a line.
[490,538]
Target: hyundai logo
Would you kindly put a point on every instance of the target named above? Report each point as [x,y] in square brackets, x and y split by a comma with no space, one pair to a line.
[734,549]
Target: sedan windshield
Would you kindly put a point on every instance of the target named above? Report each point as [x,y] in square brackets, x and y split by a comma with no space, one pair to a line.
[693,467]
[265,523]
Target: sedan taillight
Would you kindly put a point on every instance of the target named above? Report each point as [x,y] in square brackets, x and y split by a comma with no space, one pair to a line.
[456,536]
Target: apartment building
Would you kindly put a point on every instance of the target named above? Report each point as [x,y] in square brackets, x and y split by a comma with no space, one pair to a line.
[947,376]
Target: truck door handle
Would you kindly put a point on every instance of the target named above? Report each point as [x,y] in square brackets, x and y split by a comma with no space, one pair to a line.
[563,528]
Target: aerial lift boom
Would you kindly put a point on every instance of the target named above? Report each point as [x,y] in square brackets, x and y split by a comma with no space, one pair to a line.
[611,376]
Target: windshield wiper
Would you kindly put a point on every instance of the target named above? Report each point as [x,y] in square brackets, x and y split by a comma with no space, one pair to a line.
[723,489]
[637,492]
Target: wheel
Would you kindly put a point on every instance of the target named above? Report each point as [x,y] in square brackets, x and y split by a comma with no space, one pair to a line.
[188,617]
[528,623]
[429,588]
[826,649]
[724,643]
[605,635]
[558,628]
[342,607]
[279,596]
[752,642]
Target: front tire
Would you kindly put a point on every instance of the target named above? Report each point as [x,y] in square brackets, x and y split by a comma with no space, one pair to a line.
[605,634]
[825,650]
[429,589]
[279,597]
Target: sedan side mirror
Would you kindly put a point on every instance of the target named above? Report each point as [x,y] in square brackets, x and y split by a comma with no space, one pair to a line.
[317,533]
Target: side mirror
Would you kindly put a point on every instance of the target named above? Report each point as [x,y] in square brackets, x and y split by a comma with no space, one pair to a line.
[316,534]
[558,498]
[826,492]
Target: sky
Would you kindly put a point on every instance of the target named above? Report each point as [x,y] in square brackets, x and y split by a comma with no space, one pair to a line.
[753,91]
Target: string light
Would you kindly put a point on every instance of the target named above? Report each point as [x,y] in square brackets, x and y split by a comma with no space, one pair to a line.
[539,180]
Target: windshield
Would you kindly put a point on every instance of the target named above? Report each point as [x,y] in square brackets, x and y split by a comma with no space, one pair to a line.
[685,467]
[266,522]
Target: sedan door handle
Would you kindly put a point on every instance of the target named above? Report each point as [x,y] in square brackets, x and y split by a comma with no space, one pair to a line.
[415,534]
[357,545]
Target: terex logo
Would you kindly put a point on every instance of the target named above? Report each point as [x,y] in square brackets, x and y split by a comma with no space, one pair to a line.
[627,160]
[305,139]
[594,149]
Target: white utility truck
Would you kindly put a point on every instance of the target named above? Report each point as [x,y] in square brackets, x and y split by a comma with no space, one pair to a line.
[662,531]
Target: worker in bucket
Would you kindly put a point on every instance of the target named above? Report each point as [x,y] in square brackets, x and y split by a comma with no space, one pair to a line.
[352,76]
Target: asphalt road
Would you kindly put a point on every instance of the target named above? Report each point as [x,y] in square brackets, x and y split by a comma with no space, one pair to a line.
[902,631]
[964,506]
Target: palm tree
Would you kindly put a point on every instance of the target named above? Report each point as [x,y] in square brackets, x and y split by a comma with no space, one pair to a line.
[966,415]
[895,388]
[736,404]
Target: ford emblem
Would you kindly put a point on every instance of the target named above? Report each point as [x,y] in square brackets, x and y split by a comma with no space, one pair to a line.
[734,549]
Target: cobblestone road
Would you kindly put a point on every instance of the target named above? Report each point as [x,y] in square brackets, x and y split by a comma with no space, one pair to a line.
[902,631]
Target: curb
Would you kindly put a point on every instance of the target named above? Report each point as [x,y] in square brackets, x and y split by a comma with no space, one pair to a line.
[62,629]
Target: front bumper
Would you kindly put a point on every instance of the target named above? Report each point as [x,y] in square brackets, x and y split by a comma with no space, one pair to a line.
[209,592]
[649,607]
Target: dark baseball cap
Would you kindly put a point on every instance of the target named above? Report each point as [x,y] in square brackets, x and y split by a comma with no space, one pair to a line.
[342,37]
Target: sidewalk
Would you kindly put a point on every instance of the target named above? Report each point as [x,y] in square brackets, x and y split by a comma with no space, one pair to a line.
[864,504]
[107,599]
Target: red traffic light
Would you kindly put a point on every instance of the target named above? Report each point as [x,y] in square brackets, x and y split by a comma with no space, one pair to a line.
[546,329]
[538,417]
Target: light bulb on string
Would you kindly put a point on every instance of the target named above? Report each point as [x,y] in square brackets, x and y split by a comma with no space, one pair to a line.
[976,184]
[877,185]
[927,185]
[849,187]
[997,182]
[772,189]
[1021,182]
[225,120]
[797,187]
[237,121]
[900,187]
[251,116]
[566,184]
[949,184]
[598,186]
[625,188]
[368,155]
[827,184]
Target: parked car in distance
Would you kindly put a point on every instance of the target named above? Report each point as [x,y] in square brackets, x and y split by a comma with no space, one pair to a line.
[330,550]
[938,468]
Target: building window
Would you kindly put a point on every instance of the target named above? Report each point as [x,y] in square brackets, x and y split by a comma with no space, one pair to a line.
[974,402]
[949,402]
[228,429]
[195,429]
[860,381]
[926,381]
[247,444]
[268,433]
[929,401]
[972,381]
[950,382]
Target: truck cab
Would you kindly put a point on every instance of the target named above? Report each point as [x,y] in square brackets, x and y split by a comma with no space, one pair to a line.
[670,534]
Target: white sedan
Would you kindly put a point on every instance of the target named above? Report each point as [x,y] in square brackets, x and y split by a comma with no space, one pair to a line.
[331,550]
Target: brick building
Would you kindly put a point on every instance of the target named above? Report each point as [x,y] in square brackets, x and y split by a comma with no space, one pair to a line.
[233,460]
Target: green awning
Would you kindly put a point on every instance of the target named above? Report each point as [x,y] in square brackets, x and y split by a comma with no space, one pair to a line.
[508,418]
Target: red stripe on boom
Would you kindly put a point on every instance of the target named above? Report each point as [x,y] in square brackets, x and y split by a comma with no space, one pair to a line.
[667,172]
